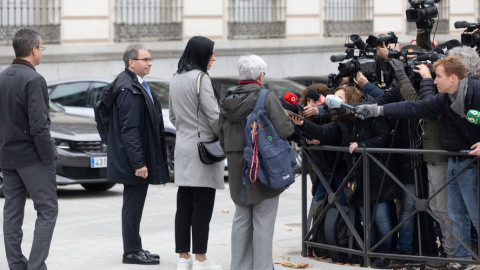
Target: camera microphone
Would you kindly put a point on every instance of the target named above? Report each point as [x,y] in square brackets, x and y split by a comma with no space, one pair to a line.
[315,96]
[335,102]
[473,116]
[461,24]
[337,58]
[292,99]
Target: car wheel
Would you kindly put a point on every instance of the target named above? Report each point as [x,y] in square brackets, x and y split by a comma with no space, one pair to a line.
[170,141]
[298,155]
[98,186]
[1,185]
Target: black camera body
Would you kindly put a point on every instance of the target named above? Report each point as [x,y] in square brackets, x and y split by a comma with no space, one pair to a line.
[362,59]
[422,12]
[469,39]
[374,41]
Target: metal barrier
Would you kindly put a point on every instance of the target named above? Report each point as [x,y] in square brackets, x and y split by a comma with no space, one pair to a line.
[333,200]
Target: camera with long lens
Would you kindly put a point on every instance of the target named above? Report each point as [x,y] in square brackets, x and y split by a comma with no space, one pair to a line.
[361,59]
[469,39]
[374,41]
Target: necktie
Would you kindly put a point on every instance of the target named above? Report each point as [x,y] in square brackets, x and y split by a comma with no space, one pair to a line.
[145,85]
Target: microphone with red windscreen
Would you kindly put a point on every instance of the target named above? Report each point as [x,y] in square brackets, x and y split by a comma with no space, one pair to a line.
[318,98]
[292,99]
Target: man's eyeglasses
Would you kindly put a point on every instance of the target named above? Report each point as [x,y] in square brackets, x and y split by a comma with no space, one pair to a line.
[144,59]
[264,74]
[41,48]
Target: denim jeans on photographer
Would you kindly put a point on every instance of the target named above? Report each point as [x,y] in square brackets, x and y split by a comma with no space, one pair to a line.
[382,226]
[405,233]
[462,202]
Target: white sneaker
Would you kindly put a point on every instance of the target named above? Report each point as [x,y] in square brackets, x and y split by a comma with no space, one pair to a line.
[184,264]
[206,265]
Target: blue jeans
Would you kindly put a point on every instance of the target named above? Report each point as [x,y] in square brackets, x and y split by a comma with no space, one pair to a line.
[405,233]
[320,191]
[382,226]
[462,202]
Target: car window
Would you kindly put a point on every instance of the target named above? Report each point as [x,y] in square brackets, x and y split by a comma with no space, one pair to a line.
[161,89]
[97,91]
[225,87]
[71,94]
[281,87]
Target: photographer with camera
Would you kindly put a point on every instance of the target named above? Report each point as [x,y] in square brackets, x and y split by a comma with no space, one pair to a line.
[458,94]
[348,130]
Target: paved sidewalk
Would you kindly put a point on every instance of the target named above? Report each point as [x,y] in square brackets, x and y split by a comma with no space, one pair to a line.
[88,231]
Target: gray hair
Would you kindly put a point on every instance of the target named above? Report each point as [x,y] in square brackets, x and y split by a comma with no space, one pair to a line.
[470,59]
[250,67]
[24,41]
[132,52]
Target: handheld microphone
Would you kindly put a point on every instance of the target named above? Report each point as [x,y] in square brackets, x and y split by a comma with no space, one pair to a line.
[319,99]
[292,99]
[335,102]
[473,116]
[337,58]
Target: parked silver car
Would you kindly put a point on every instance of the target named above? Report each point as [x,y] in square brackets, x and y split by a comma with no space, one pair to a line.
[78,96]
[82,158]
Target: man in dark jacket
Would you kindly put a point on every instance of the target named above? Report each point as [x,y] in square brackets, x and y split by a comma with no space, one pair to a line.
[254,219]
[27,153]
[458,94]
[136,146]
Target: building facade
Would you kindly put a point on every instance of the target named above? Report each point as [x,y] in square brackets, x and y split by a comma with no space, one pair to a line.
[296,37]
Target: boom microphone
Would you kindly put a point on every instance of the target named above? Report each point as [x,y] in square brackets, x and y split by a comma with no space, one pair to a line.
[473,116]
[315,96]
[337,58]
[292,99]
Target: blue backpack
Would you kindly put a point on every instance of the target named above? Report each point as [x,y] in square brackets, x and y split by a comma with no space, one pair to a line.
[268,157]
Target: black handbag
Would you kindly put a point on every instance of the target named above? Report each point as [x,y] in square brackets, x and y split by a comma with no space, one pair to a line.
[209,152]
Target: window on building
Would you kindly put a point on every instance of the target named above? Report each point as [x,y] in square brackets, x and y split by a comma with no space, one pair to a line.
[42,16]
[346,17]
[442,22]
[143,20]
[256,19]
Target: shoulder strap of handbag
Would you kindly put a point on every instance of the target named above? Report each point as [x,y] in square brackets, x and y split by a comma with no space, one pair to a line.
[199,79]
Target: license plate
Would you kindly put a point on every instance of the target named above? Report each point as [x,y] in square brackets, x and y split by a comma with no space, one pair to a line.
[98,162]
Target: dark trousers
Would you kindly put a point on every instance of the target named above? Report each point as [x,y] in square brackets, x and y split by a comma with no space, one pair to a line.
[132,210]
[194,210]
[37,180]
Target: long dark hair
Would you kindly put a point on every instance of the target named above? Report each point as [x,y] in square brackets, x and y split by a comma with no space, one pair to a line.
[196,55]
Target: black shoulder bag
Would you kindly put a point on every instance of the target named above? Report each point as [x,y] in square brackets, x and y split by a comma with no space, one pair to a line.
[209,152]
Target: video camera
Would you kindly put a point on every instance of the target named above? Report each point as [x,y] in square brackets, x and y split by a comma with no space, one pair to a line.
[374,41]
[362,59]
[469,39]
[422,12]
[410,63]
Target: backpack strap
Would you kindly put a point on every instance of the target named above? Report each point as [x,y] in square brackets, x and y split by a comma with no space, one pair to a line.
[262,97]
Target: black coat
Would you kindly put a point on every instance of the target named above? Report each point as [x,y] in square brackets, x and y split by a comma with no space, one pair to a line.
[371,132]
[136,135]
[24,119]
[455,132]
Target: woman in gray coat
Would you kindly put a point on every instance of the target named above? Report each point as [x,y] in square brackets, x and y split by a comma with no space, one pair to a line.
[196,181]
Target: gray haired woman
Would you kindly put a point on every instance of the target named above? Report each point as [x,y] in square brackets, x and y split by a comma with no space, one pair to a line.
[254,219]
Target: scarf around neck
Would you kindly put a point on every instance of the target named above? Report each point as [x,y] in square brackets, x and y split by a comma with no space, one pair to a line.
[458,98]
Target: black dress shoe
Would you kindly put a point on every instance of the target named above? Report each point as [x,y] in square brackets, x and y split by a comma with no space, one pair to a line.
[138,257]
[151,255]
